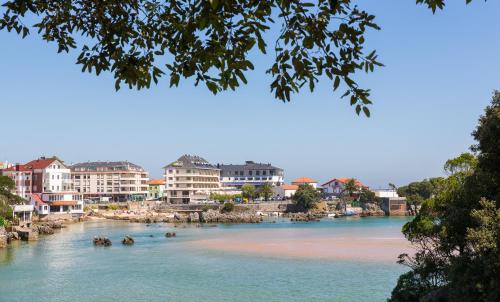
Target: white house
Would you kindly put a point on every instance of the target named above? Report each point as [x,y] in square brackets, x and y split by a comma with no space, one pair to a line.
[305,181]
[336,186]
[285,191]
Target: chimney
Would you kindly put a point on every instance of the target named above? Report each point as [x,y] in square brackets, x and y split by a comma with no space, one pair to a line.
[17,167]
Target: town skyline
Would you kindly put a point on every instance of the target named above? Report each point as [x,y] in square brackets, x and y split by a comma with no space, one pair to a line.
[81,117]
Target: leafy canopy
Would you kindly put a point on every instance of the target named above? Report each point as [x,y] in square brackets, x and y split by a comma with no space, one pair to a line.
[139,41]
[248,191]
[266,191]
[306,197]
[457,231]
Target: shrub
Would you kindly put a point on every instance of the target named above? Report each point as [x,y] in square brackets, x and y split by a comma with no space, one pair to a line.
[113,207]
[227,207]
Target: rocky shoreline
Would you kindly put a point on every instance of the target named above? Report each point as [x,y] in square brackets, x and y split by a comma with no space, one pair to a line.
[208,216]
[32,233]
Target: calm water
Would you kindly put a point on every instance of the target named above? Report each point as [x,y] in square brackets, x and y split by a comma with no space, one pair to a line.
[66,267]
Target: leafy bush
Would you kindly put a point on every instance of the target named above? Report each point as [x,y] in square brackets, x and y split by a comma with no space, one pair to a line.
[113,207]
[227,207]
[2,222]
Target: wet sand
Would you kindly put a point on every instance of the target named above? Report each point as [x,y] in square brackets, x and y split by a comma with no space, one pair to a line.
[310,244]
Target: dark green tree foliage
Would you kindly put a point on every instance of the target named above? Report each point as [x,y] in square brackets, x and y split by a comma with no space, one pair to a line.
[366,195]
[6,197]
[418,191]
[248,191]
[306,197]
[457,231]
[227,207]
[139,41]
[266,191]
[350,187]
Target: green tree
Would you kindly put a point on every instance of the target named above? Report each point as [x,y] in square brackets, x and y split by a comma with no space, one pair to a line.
[139,41]
[266,191]
[350,187]
[366,195]
[6,197]
[6,185]
[248,191]
[306,197]
[456,232]
[464,163]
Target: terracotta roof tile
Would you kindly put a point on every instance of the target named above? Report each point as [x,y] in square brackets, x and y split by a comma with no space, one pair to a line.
[303,180]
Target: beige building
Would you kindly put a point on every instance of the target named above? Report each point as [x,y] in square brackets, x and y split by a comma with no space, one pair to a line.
[114,181]
[190,179]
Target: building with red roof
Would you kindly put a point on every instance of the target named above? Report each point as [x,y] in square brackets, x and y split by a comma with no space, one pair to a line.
[46,183]
[336,186]
[303,180]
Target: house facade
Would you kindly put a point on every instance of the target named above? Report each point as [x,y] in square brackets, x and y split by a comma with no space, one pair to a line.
[190,179]
[117,181]
[336,186]
[156,189]
[257,174]
[285,191]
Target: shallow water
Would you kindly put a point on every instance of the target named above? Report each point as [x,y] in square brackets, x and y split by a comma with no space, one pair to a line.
[190,267]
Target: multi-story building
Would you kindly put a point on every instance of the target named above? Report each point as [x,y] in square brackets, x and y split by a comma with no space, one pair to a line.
[46,183]
[156,189]
[117,181]
[190,179]
[251,172]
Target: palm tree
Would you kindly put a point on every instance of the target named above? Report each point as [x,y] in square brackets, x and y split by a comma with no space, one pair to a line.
[350,187]
[266,191]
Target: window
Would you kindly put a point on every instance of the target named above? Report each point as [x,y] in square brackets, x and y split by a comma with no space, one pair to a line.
[257,173]
[264,172]
[250,172]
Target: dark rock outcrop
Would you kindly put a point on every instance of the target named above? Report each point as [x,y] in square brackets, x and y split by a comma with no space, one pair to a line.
[127,240]
[212,216]
[170,234]
[305,217]
[102,241]
[371,209]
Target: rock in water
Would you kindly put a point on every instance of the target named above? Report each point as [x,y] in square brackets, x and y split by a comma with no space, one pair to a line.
[127,240]
[102,241]
[170,234]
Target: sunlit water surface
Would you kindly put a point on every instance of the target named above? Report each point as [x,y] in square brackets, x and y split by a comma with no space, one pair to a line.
[190,267]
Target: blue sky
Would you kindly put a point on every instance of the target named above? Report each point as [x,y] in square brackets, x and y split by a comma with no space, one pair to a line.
[440,73]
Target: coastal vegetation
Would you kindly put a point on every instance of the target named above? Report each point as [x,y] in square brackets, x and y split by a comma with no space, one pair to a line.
[266,191]
[227,207]
[211,41]
[248,191]
[457,231]
[7,199]
[221,198]
[419,191]
[306,198]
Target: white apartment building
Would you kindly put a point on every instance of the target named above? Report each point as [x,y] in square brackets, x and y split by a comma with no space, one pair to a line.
[190,179]
[257,174]
[117,181]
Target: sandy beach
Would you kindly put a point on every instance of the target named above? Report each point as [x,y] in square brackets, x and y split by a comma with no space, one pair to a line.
[295,243]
